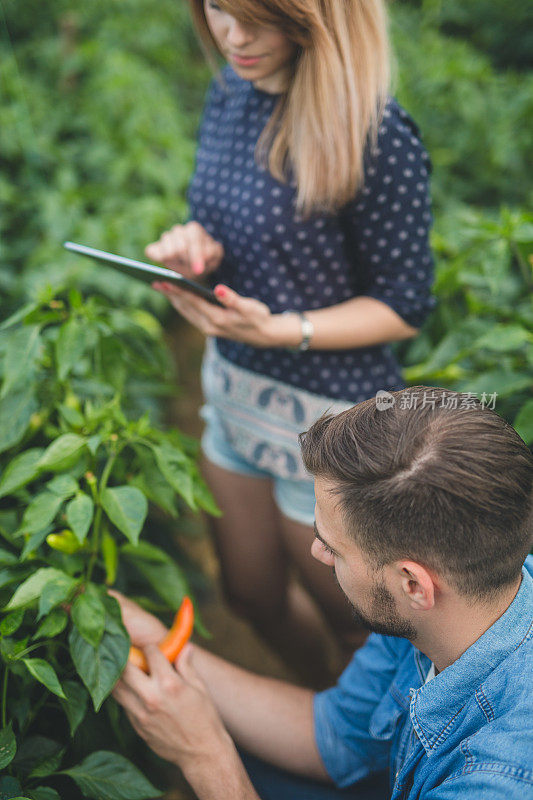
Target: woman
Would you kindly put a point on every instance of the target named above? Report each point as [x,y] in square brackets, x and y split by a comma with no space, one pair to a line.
[310,205]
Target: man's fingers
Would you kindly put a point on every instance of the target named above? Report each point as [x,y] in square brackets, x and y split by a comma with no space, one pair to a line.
[119,597]
[160,669]
[134,678]
[126,691]
[185,667]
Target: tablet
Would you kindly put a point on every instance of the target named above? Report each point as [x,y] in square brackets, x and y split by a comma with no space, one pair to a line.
[144,272]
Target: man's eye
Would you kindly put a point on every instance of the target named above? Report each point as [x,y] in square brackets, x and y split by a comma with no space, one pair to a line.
[327,549]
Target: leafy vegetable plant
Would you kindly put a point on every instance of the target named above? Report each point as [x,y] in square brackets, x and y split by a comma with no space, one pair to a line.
[480,338]
[83,473]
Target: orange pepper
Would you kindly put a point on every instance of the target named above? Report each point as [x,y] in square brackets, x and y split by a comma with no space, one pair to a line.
[174,641]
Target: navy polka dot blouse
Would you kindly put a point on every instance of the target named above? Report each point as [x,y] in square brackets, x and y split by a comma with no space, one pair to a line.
[376,246]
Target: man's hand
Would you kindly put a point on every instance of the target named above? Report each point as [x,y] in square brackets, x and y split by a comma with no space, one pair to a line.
[144,629]
[173,712]
[187,249]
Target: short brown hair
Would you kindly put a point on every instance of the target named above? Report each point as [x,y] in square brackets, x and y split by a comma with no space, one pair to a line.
[447,483]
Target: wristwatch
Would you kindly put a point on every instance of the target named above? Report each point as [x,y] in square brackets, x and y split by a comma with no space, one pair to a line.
[307,332]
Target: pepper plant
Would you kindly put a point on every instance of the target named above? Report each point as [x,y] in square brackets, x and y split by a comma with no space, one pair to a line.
[83,475]
[480,337]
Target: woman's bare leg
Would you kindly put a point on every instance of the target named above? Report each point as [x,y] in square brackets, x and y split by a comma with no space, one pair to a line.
[255,572]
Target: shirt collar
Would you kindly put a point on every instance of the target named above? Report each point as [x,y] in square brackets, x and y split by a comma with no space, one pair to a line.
[435,704]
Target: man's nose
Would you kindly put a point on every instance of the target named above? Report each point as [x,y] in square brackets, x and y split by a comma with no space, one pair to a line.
[239,35]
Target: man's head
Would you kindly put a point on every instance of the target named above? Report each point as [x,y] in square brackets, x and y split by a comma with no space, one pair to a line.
[435,484]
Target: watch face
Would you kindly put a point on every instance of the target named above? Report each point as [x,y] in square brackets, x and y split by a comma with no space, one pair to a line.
[307,332]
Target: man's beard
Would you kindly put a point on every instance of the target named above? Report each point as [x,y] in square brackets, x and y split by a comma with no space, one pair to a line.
[384,617]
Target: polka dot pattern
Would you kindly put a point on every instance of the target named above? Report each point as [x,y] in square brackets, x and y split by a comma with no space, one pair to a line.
[376,246]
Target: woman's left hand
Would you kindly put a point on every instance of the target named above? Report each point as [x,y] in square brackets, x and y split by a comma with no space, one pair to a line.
[243,319]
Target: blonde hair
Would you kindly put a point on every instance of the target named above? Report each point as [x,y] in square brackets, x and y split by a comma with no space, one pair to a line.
[335,100]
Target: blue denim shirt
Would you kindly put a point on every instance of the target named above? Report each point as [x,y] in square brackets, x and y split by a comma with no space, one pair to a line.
[467,732]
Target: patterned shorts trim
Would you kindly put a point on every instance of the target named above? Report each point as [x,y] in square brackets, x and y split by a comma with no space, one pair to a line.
[262,417]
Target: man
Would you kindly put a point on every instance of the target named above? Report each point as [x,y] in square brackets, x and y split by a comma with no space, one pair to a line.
[424,511]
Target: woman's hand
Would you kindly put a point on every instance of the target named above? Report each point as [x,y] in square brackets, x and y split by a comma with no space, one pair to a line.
[144,629]
[243,319]
[172,711]
[187,249]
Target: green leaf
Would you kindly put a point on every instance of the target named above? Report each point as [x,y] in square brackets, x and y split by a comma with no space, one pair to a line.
[12,622]
[63,485]
[63,452]
[20,471]
[40,512]
[88,615]
[48,766]
[161,572]
[7,558]
[45,674]
[18,316]
[504,338]
[126,507]
[52,625]
[175,467]
[523,422]
[44,793]
[109,776]
[16,410]
[145,551]
[503,382]
[8,746]
[204,499]
[32,587]
[70,346]
[157,490]
[55,592]
[12,575]
[75,704]
[10,788]
[33,542]
[21,354]
[100,668]
[72,416]
[80,515]
[12,649]
[36,754]
[93,443]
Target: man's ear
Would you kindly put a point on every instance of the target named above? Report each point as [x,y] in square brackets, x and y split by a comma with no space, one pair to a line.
[417,585]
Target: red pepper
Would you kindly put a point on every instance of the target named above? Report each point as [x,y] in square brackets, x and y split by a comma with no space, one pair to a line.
[174,641]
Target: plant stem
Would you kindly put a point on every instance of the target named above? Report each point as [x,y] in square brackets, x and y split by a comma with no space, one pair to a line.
[98,514]
[35,646]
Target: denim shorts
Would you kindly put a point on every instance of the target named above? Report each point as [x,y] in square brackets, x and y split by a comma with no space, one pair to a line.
[294,498]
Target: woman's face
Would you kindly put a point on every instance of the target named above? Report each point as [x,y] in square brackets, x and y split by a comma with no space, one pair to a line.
[257,53]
